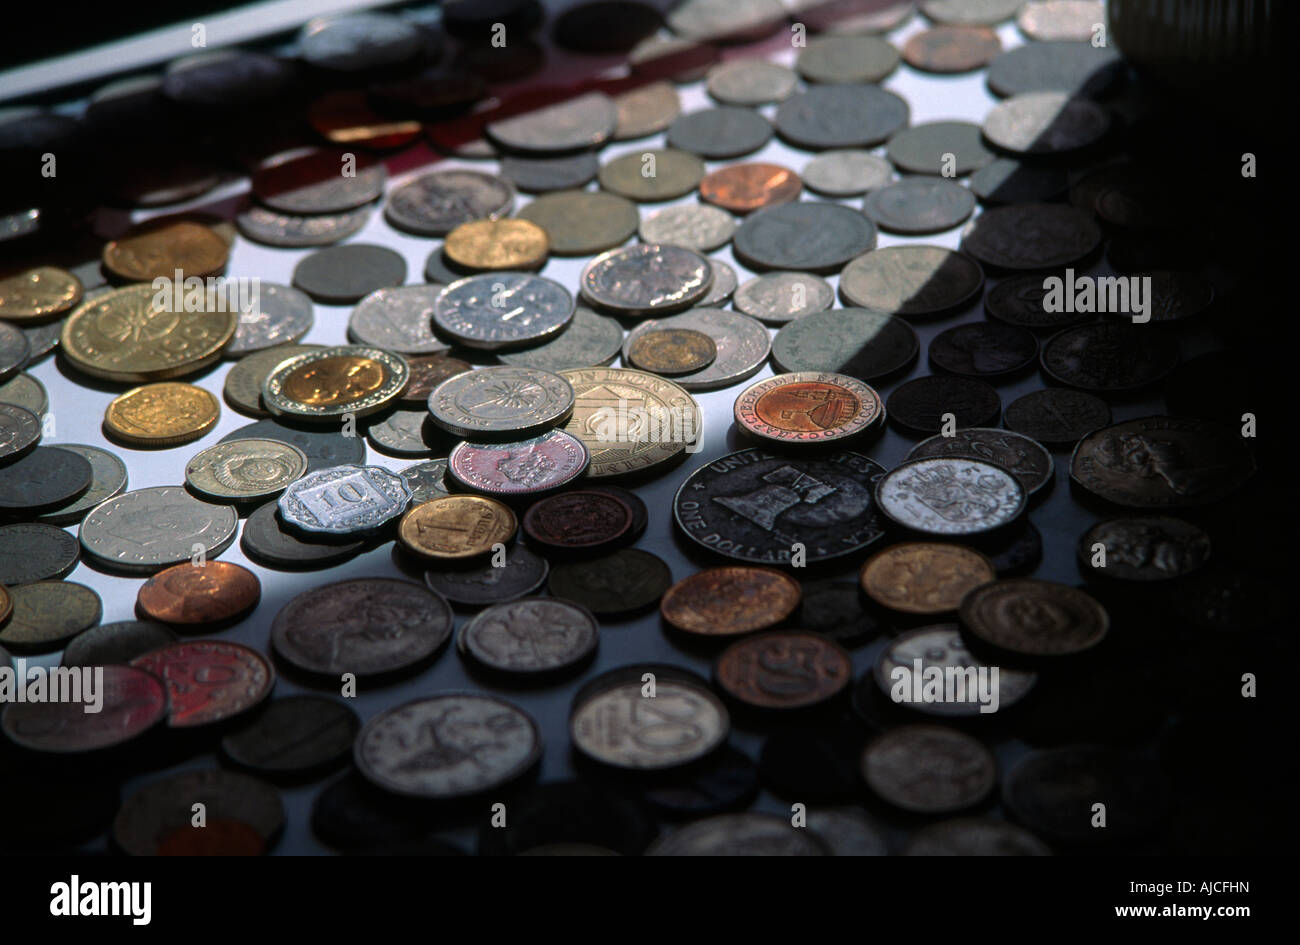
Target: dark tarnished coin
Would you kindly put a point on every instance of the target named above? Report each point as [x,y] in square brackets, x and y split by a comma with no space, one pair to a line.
[1075,68]
[951,49]
[48,613]
[131,702]
[846,831]
[780,297]
[786,669]
[588,340]
[974,836]
[652,175]
[950,496]
[983,349]
[436,203]
[1010,181]
[244,815]
[754,505]
[853,341]
[929,769]
[726,780]
[195,596]
[804,236]
[346,274]
[846,173]
[722,132]
[743,188]
[294,231]
[502,310]
[921,404]
[1025,459]
[1158,548]
[746,834]
[321,447]
[730,601]
[406,433]
[911,281]
[35,552]
[1056,417]
[846,59]
[905,665]
[427,372]
[581,222]
[118,642]
[1106,357]
[522,573]
[293,737]
[750,82]
[834,610]
[530,636]
[366,626]
[808,407]
[397,320]
[42,339]
[269,542]
[1177,295]
[646,279]
[1019,301]
[924,578]
[426,480]
[941,148]
[243,385]
[43,478]
[523,468]
[1162,462]
[344,501]
[209,681]
[146,530]
[1031,236]
[584,520]
[840,116]
[620,583]
[448,746]
[916,205]
[1032,618]
[316,182]
[672,351]
[1046,124]
[540,175]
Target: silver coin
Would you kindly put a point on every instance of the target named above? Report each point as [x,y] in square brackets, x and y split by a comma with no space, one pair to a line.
[710,19]
[245,470]
[344,500]
[448,746]
[779,297]
[743,345]
[746,834]
[14,350]
[942,646]
[501,401]
[589,340]
[646,110]
[751,82]
[1045,123]
[23,390]
[723,287]
[586,121]
[846,59]
[290,230]
[915,206]
[929,769]
[970,12]
[647,279]
[846,173]
[280,316]
[950,496]
[437,203]
[397,320]
[244,380]
[1026,459]
[502,310]
[531,635]
[147,530]
[42,339]
[523,573]
[20,429]
[425,480]
[319,188]
[694,226]
[107,479]
[405,433]
[375,379]
[911,280]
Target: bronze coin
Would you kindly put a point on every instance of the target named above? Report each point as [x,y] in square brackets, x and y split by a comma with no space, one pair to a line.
[742,188]
[950,49]
[427,372]
[672,351]
[584,520]
[197,595]
[784,670]
[924,577]
[730,601]
[1033,618]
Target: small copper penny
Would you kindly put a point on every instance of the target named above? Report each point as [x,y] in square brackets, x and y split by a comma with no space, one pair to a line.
[924,577]
[152,251]
[672,351]
[743,188]
[730,601]
[198,595]
[209,681]
[583,520]
[951,49]
[789,669]
[808,407]
[427,372]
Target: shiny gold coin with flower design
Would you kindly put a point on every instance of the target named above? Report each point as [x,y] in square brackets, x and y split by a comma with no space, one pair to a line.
[924,577]
[488,245]
[672,351]
[131,334]
[38,294]
[330,382]
[151,251]
[163,414]
[456,527]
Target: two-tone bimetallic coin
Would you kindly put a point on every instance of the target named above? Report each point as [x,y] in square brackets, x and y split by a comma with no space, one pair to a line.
[501,402]
[502,310]
[807,408]
[245,470]
[344,500]
[526,467]
[324,385]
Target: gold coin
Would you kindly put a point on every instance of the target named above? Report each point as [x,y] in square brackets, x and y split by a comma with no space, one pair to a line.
[161,415]
[455,527]
[497,244]
[672,351]
[153,251]
[38,294]
[129,334]
[924,577]
[328,383]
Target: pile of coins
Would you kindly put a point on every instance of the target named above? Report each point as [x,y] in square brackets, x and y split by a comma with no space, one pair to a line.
[829,588]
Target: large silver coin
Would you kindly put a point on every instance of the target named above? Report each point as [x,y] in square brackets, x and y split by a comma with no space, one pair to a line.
[743,345]
[502,310]
[397,320]
[147,530]
[290,230]
[437,203]
[281,315]
[589,340]
[532,635]
[344,500]
[244,470]
[647,279]
[950,496]
[694,226]
[328,383]
[1026,459]
[506,401]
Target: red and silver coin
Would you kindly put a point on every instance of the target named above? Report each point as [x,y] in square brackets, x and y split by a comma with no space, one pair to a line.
[130,702]
[808,407]
[209,680]
[527,467]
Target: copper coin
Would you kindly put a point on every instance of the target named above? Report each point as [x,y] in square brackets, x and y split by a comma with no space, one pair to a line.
[730,601]
[427,372]
[345,117]
[156,817]
[195,595]
[784,670]
[209,680]
[924,577]
[131,701]
[152,251]
[672,351]
[949,49]
[808,407]
[1034,618]
[583,520]
[220,836]
[742,188]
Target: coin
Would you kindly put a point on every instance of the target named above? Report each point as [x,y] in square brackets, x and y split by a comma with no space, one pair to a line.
[613,723]
[588,340]
[1064,20]
[745,834]
[539,175]
[652,175]
[346,274]
[945,148]
[579,222]
[291,230]
[646,279]
[742,188]
[152,251]
[344,500]
[245,470]
[1019,301]
[781,297]
[436,203]
[20,430]
[397,320]
[161,415]
[531,636]
[6,609]
[951,49]
[23,390]
[983,349]
[41,339]
[447,746]
[626,581]
[44,478]
[916,206]
[38,294]
[524,468]
[582,521]
[834,610]
[646,110]
[846,173]
[735,22]
[523,572]
[977,12]
[972,836]
[1025,459]
[1010,181]
[840,116]
[693,226]
[356,42]
[940,648]
[47,613]
[730,601]
[911,281]
[784,670]
[1055,417]
[294,736]
[118,642]
[123,336]
[808,237]
[846,59]
[585,121]
[927,578]
[131,702]
[1033,618]
[671,350]
[191,596]
[721,132]
[750,82]
[427,372]
[1031,236]
[497,244]
[1106,357]
[406,433]
[852,341]
[146,530]
[807,407]
[322,385]
[504,401]
[318,181]
[923,403]
[456,527]
[425,480]
[1079,69]
[1045,123]
[244,815]
[951,496]
[629,420]
[108,479]
[502,309]
[15,350]
[244,380]
[929,769]
[723,286]
[322,448]
[35,552]
[1156,548]
[280,315]
[741,343]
